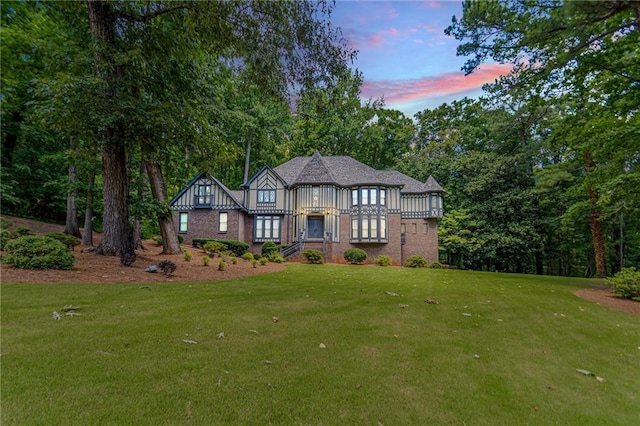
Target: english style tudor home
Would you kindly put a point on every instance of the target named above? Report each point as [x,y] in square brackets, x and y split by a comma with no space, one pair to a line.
[328,203]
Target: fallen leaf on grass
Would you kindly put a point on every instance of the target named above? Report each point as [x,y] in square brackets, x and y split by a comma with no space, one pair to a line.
[190,342]
[68,308]
[323,346]
[430,301]
[55,316]
[220,335]
[589,373]
[254,331]
[403,306]
[391,293]
[466,314]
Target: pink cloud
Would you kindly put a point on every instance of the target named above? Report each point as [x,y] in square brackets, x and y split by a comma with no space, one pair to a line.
[398,91]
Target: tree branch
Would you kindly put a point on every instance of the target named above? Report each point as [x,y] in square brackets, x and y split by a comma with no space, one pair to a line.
[148,16]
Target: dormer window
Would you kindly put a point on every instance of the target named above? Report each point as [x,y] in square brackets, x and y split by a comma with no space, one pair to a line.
[266,196]
[203,196]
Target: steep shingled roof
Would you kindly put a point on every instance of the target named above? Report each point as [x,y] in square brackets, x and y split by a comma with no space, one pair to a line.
[346,171]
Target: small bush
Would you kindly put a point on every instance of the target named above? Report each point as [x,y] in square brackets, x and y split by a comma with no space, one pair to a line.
[436,265]
[180,238]
[254,263]
[157,239]
[626,283]
[214,247]
[206,260]
[5,223]
[276,257]
[236,247]
[268,248]
[355,256]
[21,231]
[415,261]
[382,260]
[4,237]
[188,256]
[222,265]
[68,240]
[247,256]
[263,261]
[234,260]
[313,256]
[167,267]
[35,252]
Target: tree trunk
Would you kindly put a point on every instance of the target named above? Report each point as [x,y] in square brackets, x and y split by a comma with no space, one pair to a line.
[117,237]
[71,223]
[597,236]
[170,243]
[87,237]
[137,223]
[247,158]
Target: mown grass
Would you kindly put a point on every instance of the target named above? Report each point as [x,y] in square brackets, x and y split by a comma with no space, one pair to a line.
[512,361]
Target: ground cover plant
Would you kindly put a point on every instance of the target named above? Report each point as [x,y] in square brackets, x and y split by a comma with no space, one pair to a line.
[319,344]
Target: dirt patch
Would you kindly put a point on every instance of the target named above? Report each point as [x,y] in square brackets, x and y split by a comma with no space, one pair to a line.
[604,296]
[93,268]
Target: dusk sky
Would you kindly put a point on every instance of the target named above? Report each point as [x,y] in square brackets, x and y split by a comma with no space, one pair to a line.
[404,54]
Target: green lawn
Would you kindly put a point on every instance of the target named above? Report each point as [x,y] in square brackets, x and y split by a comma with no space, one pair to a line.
[495,349]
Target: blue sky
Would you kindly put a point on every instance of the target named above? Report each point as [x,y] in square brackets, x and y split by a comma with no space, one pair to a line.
[405,56]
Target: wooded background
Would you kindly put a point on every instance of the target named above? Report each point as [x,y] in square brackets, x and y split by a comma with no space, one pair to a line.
[110,107]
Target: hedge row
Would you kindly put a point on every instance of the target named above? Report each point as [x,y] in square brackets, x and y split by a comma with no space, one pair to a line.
[236,247]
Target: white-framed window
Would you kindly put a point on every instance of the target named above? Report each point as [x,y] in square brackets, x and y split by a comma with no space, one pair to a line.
[266,195]
[183,222]
[267,228]
[223,218]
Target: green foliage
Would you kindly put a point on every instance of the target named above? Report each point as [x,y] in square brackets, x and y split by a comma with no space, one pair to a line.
[214,247]
[626,283]
[236,247]
[188,256]
[4,237]
[68,240]
[21,231]
[180,239]
[247,256]
[233,260]
[415,261]
[436,265]
[36,252]
[313,256]
[222,265]
[157,239]
[382,260]
[206,260]
[5,223]
[268,248]
[275,257]
[355,255]
[254,263]
[263,261]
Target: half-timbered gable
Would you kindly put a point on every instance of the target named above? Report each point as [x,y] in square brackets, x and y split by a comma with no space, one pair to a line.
[329,203]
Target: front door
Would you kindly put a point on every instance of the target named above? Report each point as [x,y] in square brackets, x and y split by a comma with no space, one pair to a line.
[315,227]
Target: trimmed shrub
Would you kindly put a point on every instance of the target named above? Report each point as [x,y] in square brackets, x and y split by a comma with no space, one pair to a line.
[157,239]
[382,260]
[276,257]
[214,247]
[180,238]
[436,265]
[234,260]
[626,283]
[68,240]
[263,261]
[222,265]
[35,252]
[188,256]
[236,247]
[254,263]
[355,255]
[313,256]
[206,260]
[268,248]
[415,261]
[247,256]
